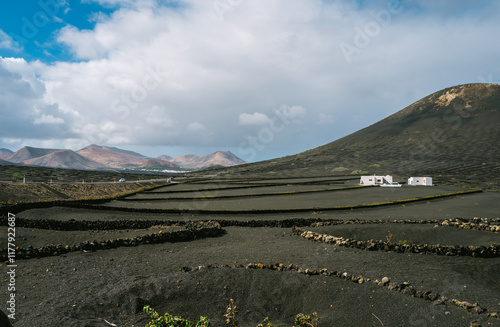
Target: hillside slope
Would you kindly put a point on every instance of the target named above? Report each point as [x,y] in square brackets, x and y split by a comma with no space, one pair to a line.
[112,157]
[27,153]
[451,133]
[158,164]
[165,157]
[63,159]
[4,153]
[221,159]
[216,159]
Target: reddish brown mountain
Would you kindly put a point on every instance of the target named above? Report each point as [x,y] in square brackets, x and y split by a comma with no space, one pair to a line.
[165,157]
[63,159]
[216,159]
[55,158]
[112,157]
[158,164]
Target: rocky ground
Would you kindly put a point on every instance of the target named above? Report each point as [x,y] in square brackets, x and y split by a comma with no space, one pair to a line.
[19,192]
[397,264]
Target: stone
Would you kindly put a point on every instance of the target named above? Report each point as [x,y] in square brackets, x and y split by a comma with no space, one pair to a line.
[385,280]
[477,310]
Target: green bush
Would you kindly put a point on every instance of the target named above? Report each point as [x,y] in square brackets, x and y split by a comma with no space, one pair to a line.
[17,175]
[359,172]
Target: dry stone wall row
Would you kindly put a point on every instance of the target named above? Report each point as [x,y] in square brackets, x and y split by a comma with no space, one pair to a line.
[485,224]
[193,232]
[490,251]
[402,287]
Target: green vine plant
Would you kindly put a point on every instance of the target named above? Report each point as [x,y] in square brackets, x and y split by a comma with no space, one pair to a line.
[389,236]
[167,320]
[301,320]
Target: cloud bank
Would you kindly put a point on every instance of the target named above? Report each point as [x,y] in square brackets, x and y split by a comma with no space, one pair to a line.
[214,74]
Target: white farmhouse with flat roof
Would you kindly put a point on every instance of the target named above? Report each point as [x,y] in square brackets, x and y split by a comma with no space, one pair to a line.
[427,181]
[375,180]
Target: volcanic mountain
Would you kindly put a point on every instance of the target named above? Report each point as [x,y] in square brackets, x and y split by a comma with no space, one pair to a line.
[165,157]
[27,153]
[63,159]
[451,133]
[216,159]
[158,164]
[6,163]
[55,158]
[4,153]
[112,157]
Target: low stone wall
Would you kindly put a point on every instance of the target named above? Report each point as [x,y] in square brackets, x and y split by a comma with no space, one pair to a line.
[490,251]
[402,287]
[192,232]
[487,224]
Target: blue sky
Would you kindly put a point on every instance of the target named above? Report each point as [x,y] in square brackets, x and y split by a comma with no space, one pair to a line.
[260,78]
[33,26]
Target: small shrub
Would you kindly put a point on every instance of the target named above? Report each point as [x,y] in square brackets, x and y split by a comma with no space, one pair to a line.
[339,169]
[389,236]
[17,175]
[359,172]
[301,320]
[168,320]
[231,314]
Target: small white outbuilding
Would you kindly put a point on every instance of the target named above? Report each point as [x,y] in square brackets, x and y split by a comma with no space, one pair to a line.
[426,181]
[375,180]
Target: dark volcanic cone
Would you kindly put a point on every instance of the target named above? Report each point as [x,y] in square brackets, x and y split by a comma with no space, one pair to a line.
[451,133]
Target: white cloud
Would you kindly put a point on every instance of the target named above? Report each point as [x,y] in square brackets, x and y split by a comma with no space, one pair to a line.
[6,42]
[158,116]
[108,126]
[256,118]
[259,56]
[48,119]
[291,112]
[196,127]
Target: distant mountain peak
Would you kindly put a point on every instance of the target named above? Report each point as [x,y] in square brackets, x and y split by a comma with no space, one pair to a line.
[114,150]
[112,157]
[216,159]
[159,164]
[96,156]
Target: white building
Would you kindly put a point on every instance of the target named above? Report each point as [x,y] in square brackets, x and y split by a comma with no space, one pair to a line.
[375,180]
[420,181]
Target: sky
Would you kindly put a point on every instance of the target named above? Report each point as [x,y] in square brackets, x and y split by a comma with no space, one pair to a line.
[260,78]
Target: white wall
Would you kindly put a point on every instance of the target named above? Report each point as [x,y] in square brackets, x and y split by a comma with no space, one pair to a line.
[375,180]
[427,181]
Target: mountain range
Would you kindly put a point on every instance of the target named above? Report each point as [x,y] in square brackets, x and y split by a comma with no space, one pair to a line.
[450,134]
[103,157]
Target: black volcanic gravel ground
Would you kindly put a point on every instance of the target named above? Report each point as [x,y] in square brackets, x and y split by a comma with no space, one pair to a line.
[84,288]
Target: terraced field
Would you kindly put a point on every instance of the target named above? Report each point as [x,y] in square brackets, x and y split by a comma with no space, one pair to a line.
[359,256]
